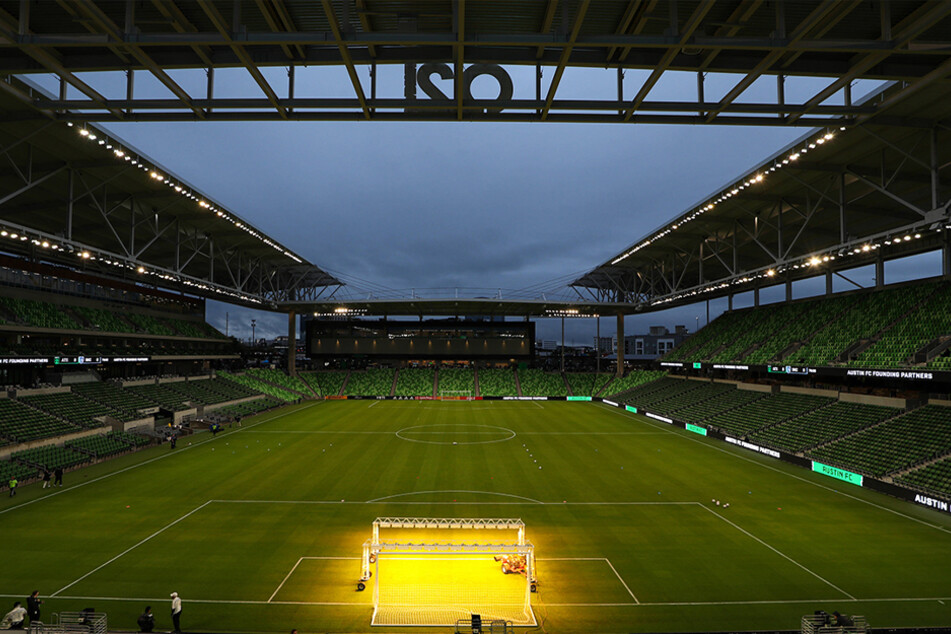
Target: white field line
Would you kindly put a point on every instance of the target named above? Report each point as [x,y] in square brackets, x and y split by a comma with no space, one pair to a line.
[389,500]
[621,580]
[778,552]
[372,404]
[131,548]
[691,438]
[151,460]
[281,585]
[537,405]
[605,560]
[642,605]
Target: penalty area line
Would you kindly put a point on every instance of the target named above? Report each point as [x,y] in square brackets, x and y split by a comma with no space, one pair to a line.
[281,585]
[623,583]
[131,548]
[777,551]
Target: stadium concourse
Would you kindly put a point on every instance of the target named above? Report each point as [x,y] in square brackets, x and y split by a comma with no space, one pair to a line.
[790,458]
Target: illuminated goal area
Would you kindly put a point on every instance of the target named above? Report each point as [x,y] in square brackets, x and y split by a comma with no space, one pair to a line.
[436,571]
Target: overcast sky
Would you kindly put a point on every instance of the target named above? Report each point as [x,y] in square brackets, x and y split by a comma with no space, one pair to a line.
[476,205]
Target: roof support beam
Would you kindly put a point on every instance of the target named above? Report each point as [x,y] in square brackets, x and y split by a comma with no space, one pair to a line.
[222,26]
[689,28]
[347,58]
[94,13]
[565,56]
[925,17]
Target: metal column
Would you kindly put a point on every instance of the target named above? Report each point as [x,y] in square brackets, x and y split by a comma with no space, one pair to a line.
[620,345]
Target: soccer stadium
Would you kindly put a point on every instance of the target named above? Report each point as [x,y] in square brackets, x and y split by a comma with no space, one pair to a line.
[411,462]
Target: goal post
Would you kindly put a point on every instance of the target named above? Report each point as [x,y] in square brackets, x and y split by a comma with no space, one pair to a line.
[459,568]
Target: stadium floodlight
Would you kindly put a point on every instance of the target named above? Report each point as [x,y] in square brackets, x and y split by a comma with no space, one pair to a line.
[434,571]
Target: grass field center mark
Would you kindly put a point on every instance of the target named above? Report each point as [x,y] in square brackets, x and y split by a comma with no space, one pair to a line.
[131,548]
[151,460]
[447,442]
[778,552]
[723,450]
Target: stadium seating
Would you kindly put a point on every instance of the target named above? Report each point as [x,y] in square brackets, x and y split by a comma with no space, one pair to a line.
[823,425]
[247,408]
[188,328]
[39,314]
[151,325]
[134,440]
[21,423]
[587,383]
[99,446]
[933,478]
[281,379]
[918,436]
[103,319]
[723,402]
[539,383]
[51,457]
[162,395]
[329,383]
[415,382]
[689,395]
[800,325]
[372,382]
[74,408]
[10,469]
[126,403]
[261,387]
[497,382]
[211,391]
[646,396]
[900,342]
[631,380]
[869,314]
[456,382]
[773,409]
[820,331]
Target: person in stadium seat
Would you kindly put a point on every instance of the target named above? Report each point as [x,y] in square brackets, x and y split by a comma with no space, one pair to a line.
[146,620]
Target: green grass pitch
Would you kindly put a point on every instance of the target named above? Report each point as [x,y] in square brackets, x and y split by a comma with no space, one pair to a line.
[620,514]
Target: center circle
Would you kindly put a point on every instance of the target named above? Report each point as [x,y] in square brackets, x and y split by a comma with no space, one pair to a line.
[445,434]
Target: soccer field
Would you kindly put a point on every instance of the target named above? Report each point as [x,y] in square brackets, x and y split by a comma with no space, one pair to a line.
[261,528]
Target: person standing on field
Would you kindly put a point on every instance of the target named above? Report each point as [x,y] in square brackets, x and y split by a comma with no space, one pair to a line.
[58,474]
[176,611]
[33,605]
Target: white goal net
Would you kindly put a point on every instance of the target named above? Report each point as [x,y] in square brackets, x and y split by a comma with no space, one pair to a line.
[451,574]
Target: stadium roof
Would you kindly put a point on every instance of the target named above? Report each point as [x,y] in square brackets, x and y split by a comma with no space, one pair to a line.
[840,197]
[79,196]
[742,40]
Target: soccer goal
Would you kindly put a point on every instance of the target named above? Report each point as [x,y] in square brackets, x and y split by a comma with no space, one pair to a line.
[436,571]
[455,395]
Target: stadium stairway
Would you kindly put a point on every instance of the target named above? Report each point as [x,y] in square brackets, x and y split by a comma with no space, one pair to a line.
[915,467]
[396,376]
[346,380]
[283,387]
[436,383]
[475,381]
[859,431]
[786,420]
[518,385]
[564,377]
[604,387]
